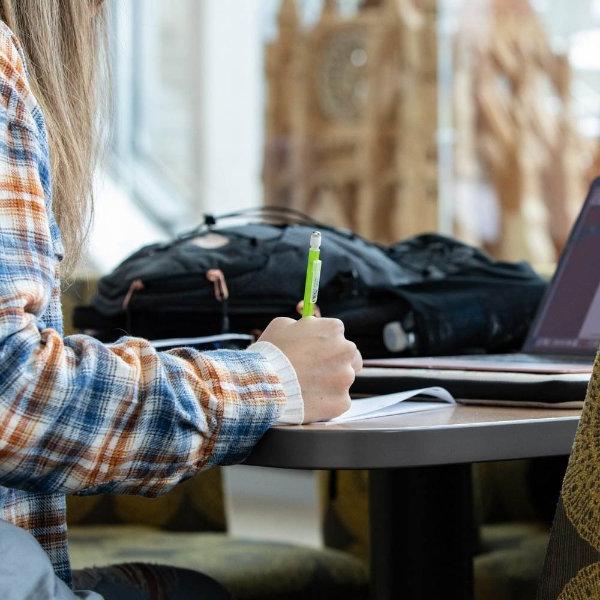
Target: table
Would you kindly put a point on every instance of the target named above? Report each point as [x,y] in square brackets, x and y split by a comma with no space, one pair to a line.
[420,482]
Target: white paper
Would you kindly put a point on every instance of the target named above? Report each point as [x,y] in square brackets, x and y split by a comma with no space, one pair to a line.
[394,404]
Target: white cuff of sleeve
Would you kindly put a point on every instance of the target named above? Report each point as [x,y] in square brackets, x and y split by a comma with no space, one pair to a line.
[292,412]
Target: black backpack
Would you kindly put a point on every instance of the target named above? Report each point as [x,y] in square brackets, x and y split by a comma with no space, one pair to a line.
[431,294]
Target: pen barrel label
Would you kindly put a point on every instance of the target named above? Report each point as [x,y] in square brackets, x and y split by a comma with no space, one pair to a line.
[316,278]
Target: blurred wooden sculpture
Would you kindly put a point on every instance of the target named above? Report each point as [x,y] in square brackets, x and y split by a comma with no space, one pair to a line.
[351,118]
[515,133]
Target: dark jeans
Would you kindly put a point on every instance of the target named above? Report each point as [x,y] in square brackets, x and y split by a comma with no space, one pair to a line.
[27,574]
[137,581]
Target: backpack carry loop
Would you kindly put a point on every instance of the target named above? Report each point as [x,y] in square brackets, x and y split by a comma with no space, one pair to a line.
[282,215]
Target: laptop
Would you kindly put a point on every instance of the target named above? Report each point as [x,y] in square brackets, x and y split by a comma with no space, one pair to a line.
[565,333]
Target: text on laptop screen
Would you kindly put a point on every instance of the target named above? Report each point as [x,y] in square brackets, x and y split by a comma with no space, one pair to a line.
[569,320]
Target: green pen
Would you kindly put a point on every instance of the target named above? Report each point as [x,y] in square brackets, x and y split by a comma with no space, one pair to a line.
[313,275]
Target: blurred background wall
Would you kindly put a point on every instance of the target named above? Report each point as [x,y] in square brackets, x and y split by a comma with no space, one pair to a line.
[478,118]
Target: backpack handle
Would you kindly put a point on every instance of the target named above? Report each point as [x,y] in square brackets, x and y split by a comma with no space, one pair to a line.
[284,214]
[280,214]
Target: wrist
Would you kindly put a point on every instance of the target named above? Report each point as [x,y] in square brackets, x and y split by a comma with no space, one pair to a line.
[292,413]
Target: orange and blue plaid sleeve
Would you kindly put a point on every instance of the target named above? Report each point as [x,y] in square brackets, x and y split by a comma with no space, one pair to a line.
[80,416]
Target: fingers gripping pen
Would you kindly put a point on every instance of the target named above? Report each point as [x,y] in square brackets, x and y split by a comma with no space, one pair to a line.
[313,275]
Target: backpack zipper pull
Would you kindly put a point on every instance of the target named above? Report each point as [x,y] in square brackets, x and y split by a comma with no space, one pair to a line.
[217,278]
[137,285]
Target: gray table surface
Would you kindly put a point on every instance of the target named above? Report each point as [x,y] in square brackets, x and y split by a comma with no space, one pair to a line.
[448,435]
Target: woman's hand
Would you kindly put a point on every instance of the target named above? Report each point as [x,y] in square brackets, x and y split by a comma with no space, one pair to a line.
[325,361]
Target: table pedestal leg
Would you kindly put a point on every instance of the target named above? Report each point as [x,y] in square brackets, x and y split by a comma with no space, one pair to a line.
[422,533]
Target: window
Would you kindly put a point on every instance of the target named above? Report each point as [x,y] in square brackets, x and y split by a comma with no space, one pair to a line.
[188,105]
[187,118]
[155,64]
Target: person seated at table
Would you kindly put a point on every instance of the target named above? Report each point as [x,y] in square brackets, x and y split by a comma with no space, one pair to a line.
[78,416]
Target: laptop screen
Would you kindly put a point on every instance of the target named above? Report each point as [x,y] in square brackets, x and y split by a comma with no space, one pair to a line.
[568,321]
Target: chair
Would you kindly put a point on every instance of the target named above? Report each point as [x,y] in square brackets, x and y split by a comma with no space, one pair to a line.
[187,528]
[572,566]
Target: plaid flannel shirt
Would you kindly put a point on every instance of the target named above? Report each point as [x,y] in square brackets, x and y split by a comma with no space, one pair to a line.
[78,416]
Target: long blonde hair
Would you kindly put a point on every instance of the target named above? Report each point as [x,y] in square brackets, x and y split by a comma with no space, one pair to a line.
[62,40]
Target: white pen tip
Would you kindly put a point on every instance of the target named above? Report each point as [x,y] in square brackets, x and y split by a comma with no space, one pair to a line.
[315,240]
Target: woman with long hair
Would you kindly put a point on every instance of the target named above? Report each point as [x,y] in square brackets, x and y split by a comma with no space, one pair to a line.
[78,416]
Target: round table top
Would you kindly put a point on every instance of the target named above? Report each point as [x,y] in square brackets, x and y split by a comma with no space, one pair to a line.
[447,435]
